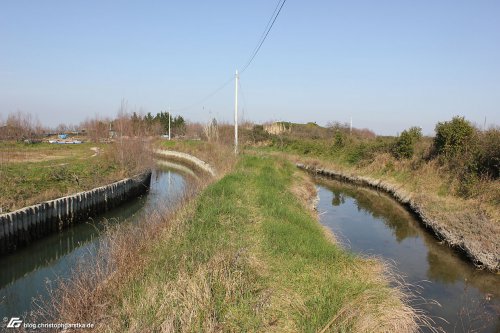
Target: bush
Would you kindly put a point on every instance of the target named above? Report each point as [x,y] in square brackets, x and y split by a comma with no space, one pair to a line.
[488,157]
[258,134]
[454,138]
[405,143]
[339,140]
[471,155]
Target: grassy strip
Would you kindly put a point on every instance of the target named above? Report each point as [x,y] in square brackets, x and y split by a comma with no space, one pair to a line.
[34,173]
[247,256]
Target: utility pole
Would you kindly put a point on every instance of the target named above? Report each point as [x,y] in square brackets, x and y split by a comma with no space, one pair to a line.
[236,113]
[350,127]
[169,116]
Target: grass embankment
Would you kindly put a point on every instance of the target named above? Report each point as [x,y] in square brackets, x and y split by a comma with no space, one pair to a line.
[472,222]
[32,173]
[246,255]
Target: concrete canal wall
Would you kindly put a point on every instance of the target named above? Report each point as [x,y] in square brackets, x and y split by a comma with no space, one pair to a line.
[186,158]
[22,226]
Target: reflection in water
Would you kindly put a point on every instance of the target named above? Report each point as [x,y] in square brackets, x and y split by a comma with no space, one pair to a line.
[30,271]
[370,222]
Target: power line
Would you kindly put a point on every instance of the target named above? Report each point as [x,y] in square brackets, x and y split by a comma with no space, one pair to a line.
[267,27]
[262,39]
[207,97]
[266,32]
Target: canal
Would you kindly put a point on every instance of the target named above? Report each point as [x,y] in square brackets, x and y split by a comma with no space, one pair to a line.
[457,297]
[30,272]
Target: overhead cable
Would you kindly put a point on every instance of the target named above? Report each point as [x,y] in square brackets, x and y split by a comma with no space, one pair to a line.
[262,39]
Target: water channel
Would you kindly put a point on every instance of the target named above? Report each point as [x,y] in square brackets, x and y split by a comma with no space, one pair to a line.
[29,272]
[372,223]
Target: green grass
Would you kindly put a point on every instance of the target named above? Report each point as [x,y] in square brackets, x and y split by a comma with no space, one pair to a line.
[351,153]
[250,257]
[33,173]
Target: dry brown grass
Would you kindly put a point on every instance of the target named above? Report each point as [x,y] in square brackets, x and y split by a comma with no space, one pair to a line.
[90,295]
[220,156]
[124,252]
[366,313]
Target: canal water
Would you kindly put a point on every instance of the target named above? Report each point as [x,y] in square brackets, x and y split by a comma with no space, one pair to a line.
[457,297]
[29,272]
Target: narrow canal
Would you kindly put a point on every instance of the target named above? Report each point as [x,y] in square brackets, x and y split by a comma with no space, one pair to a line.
[371,223]
[29,272]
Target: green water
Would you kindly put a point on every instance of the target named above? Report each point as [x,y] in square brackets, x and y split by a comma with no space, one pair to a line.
[29,273]
[457,297]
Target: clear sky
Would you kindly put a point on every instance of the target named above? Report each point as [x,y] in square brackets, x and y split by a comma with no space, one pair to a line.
[387,64]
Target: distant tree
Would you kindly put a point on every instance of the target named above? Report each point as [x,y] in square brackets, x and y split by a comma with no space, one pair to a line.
[179,124]
[136,124]
[162,119]
[97,129]
[20,126]
[211,130]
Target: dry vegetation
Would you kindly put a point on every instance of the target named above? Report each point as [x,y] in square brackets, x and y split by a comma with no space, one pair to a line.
[459,190]
[245,255]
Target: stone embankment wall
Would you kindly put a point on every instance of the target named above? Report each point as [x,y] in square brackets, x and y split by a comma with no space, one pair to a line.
[22,226]
[478,256]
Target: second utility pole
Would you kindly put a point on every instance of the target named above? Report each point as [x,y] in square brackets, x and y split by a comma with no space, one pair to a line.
[236,114]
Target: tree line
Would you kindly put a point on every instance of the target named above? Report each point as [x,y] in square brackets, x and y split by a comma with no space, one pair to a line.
[21,126]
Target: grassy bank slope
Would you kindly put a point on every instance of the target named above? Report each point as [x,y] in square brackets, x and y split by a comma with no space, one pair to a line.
[246,256]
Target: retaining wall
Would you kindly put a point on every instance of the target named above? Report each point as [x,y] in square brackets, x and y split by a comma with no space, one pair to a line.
[22,226]
[186,157]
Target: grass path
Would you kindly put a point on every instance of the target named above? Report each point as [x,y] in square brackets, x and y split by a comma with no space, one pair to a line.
[250,257]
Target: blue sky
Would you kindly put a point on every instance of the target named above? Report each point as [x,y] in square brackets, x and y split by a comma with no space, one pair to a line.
[387,64]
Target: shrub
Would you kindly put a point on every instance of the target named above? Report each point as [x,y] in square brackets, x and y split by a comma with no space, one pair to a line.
[488,157]
[405,143]
[339,140]
[454,137]
[258,134]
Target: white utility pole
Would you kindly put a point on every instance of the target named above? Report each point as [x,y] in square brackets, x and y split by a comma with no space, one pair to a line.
[236,113]
[169,116]
[350,127]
